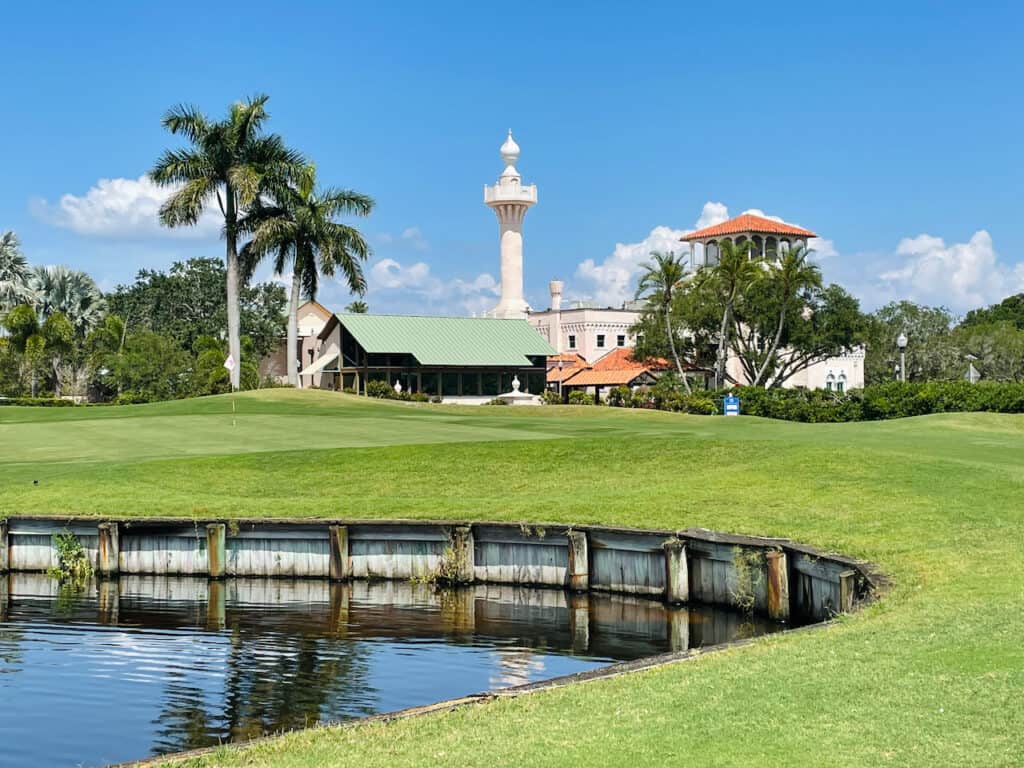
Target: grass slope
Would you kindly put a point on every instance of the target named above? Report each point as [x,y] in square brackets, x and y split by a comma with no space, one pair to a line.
[934,674]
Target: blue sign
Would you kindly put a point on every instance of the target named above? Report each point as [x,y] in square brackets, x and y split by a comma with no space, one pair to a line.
[732,406]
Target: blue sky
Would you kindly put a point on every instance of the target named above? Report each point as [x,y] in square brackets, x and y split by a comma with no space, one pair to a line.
[893,130]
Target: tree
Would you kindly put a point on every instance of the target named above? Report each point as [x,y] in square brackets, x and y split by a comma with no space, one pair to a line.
[661,279]
[738,268]
[71,293]
[232,162]
[27,340]
[1010,309]
[930,352]
[150,366]
[829,324]
[189,301]
[14,274]
[788,282]
[357,307]
[997,349]
[299,230]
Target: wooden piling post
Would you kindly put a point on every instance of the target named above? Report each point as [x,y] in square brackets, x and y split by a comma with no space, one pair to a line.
[216,550]
[4,547]
[847,590]
[5,596]
[463,548]
[677,572]
[778,585]
[108,550]
[340,570]
[579,561]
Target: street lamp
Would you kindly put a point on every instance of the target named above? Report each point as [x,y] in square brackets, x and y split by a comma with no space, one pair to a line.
[560,363]
[901,342]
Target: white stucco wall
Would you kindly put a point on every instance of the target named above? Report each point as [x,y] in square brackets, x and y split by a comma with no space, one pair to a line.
[586,325]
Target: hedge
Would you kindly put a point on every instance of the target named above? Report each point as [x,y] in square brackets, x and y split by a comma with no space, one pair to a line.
[891,400]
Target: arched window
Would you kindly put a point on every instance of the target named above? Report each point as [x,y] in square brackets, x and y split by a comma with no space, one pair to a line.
[830,382]
[841,383]
[711,254]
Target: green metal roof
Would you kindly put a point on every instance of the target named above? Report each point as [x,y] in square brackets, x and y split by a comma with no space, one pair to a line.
[461,341]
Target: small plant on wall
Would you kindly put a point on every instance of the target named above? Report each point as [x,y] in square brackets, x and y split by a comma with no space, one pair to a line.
[749,567]
[73,564]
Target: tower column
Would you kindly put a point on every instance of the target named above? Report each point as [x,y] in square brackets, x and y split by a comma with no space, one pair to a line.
[510,199]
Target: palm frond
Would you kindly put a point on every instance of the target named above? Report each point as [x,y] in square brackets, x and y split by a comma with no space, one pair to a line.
[186,120]
[184,207]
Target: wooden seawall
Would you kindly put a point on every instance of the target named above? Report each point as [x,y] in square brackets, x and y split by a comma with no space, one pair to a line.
[774,577]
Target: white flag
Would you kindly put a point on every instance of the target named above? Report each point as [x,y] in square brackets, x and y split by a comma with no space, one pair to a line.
[230,363]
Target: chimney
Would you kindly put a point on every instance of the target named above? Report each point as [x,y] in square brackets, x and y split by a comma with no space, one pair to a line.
[556,286]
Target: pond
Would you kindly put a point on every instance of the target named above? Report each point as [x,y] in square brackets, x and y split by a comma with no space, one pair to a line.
[145,666]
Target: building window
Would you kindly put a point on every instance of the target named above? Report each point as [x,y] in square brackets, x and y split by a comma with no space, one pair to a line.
[620,340]
[572,342]
[600,341]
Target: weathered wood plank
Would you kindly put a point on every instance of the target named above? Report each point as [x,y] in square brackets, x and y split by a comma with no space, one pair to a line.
[677,573]
[579,561]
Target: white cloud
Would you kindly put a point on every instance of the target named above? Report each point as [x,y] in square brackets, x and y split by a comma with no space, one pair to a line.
[960,276]
[414,287]
[121,208]
[712,213]
[411,237]
[613,281]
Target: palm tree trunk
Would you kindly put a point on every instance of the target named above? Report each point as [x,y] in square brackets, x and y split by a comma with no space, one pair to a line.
[56,377]
[293,330]
[231,236]
[722,346]
[774,346]
[675,355]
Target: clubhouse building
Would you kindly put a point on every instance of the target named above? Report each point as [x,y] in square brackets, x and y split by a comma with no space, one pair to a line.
[514,347]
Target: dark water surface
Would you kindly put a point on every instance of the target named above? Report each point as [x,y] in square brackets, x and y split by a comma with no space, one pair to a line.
[151,665]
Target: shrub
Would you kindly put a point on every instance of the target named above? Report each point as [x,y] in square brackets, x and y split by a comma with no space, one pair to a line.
[349,391]
[621,397]
[579,397]
[496,401]
[420,397]
[39,402]
[380,389]
[550,397]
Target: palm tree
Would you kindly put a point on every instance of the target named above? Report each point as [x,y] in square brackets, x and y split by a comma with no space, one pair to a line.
[738,267]
[789,277]
[14,273]
[232,162]
[357,307]
[661,279]
[71,293]
[299,229]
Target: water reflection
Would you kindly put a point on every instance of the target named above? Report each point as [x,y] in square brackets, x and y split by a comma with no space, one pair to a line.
[150,665]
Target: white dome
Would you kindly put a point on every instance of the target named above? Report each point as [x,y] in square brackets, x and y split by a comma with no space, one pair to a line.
[510,150]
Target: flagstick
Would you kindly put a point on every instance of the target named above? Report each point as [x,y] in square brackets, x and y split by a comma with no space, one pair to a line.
[232,410]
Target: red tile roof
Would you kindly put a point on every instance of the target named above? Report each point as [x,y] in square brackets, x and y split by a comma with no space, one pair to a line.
[572,362]
[591,377]
[748,223]
[622,358]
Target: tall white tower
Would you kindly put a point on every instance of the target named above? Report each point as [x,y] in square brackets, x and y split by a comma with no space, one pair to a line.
[509,199]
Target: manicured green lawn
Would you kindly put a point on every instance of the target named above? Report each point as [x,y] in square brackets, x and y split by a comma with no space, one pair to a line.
[933,675]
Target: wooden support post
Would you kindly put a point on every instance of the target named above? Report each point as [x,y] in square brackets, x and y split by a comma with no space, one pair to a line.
[340,570]
[108,550]
[4,547]
[579,561]
[216,550]
[463,547]
[847,590]
[677,572]
[778,585]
